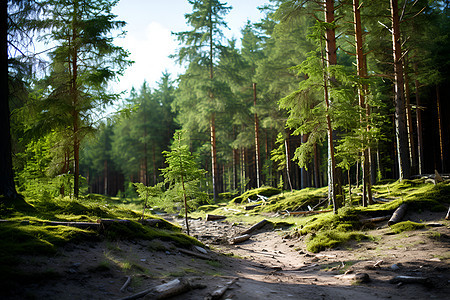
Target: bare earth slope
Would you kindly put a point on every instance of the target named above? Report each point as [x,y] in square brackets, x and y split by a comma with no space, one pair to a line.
[270,265]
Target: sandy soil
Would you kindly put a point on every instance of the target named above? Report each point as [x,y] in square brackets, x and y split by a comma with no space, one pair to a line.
[272,264]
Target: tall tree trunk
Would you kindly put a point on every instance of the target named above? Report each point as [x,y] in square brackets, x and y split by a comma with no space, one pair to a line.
[235,174]
[334,185]
[213,116]
[316,166]
[362,91]
[288,160]
[243,175]
[74,94]
[304,177]
[418,122]
[412,148]
[105,177]
[213,156]
[7,186]
[257,154]
[400,118]
[441,142]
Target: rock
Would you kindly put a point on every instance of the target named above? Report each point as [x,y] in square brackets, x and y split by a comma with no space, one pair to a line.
[395,267]
[200,249]
[356,278]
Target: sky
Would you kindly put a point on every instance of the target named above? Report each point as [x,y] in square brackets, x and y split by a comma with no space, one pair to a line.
[149,39]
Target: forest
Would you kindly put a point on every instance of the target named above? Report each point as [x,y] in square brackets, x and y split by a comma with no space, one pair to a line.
[318,93]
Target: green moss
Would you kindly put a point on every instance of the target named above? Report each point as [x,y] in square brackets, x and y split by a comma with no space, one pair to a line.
[406,226]
[207,207]
[330,238]
[296,200]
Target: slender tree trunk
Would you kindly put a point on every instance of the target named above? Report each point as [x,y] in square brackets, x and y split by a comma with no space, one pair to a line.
[316,166]
[418,122]
[257,154]
[105,177]
[362,91]
[288,159]
[213,156]
[155,169]
[331,59]
[304,173]
[235,175]
[441,143]
[184,198]
[412,148]
[400,118]
[213,116]
[74,94]
[7,186]
[243,175]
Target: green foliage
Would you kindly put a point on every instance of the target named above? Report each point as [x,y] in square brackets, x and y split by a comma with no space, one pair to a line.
[150,195]
[183,177]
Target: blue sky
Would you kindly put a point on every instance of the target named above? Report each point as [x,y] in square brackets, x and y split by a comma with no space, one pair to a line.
[149,39]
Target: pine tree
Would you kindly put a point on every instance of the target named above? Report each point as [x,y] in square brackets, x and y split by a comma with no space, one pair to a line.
[182,170]
[84,60]
[201,46]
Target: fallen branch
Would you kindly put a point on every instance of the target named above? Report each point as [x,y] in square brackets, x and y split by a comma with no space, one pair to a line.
[249,207]
[447,217]
[381,200]
[256,226]
[164,291]
[214,217]
[374,220]
[410,279]
[125,285]
[308,212]
[192,253]
[105,222]
[217,294]
[240,239]
[320,203]
[398,214]
[82,225]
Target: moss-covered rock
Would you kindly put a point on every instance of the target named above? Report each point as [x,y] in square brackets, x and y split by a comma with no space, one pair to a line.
[406,226]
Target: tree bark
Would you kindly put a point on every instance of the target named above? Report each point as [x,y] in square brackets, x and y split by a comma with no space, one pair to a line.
[257,154]
[316,166]
[441,143]
[418,122]
[213,157]
[74,95]
[362,91]
[398,214]
[331,59]
[288,173]
[412,149]
[401,133]
[7,186]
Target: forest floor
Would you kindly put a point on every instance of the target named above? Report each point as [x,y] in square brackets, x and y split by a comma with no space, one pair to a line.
[272,264]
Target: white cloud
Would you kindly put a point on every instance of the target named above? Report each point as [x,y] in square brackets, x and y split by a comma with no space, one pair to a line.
[149,49]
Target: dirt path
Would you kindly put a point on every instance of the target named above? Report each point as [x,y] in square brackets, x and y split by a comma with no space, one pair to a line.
[270,265]
[276,266]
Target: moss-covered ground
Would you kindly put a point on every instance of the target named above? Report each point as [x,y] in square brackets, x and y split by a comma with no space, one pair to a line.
[327,230]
